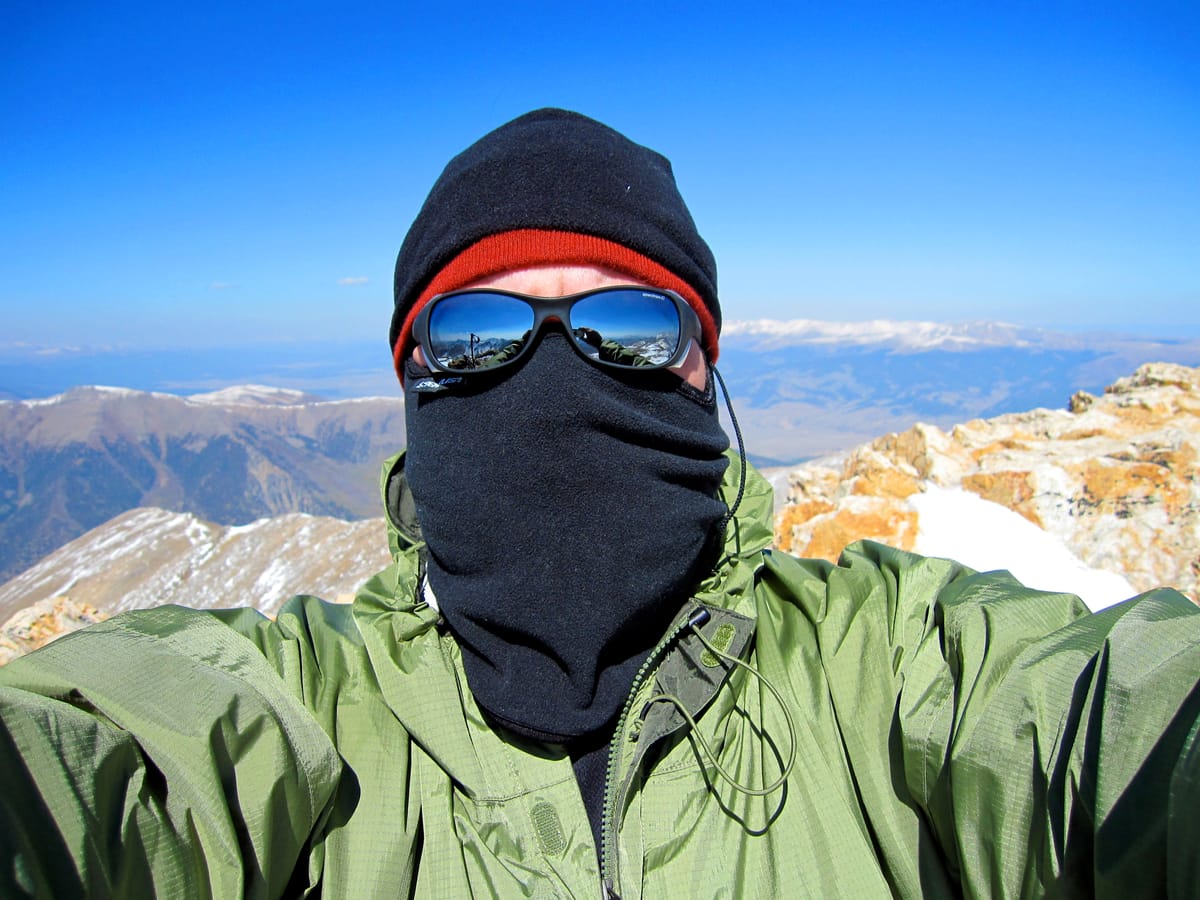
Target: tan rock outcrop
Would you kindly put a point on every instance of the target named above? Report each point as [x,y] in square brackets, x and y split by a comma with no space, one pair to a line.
[43,622]
[1115,477]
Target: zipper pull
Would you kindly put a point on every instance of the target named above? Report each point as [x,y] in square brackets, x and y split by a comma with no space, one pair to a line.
[609,893]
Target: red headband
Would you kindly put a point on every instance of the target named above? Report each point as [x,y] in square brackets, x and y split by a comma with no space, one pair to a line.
[532,247]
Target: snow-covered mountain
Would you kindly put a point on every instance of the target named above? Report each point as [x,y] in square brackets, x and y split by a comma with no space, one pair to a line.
[73,461]
[911,336]
[148,557]
[253,395]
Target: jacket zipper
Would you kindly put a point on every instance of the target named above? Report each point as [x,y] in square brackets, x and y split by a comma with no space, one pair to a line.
[608,831]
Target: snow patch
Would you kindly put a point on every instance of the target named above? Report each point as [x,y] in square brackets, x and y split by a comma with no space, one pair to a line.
[913,335]
[253,395]
[986,536]
[86,391]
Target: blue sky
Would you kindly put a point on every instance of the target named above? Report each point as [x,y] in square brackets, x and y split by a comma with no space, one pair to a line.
[221,173]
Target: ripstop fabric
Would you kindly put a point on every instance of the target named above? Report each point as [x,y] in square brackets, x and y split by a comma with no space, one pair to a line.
[954,733]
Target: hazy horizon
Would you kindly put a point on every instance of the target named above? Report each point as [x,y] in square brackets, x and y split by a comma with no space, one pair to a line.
[343,369]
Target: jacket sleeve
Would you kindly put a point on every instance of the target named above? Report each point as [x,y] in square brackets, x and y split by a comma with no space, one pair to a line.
[157,754]
[1053,751]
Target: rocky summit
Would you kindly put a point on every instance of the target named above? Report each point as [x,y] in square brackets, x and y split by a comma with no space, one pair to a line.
[1114,477]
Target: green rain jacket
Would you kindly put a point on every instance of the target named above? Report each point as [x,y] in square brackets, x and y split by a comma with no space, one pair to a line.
[952,733]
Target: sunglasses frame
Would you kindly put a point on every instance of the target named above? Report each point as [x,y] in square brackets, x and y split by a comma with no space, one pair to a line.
[547,309]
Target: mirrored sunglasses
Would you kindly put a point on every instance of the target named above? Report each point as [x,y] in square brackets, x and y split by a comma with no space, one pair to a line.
[627,327]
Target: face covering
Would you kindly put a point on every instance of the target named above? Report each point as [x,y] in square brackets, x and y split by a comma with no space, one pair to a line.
[568,511]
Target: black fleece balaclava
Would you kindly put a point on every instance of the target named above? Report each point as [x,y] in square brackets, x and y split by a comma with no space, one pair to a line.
[568,510]
[568,513]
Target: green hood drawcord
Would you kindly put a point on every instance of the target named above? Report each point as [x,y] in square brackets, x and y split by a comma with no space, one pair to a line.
[731,508]
[703,744]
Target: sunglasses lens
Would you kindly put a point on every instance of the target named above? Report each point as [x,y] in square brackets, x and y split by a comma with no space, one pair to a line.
[478,331]
[626,327]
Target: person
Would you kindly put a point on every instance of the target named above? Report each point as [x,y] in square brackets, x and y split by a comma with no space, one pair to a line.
[585,671]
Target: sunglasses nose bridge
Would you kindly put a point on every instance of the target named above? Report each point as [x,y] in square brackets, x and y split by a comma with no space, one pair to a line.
[550,311]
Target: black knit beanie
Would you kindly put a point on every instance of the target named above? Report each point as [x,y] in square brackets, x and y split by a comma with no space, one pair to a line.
[558,187]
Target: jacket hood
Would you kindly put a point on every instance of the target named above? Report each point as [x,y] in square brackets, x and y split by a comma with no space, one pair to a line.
[399,508]
[401,634]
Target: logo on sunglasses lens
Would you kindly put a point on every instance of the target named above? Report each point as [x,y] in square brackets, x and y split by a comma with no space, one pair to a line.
[433,385]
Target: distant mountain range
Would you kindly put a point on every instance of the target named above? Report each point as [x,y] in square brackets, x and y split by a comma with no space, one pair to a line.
[801,389]
[71,462]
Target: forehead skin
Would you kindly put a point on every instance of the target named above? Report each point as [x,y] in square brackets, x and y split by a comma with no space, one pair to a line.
[562,280]
[553,280]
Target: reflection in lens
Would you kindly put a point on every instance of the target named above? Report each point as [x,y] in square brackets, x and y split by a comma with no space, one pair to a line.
[629,328]
[478,331]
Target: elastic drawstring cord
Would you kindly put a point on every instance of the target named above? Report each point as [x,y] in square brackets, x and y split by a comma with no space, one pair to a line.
[707,750]
[731,509]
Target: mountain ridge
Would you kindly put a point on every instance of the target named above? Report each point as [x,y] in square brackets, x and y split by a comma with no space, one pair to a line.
[149,557]
[1100,498]
[71,462]
[802,389]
